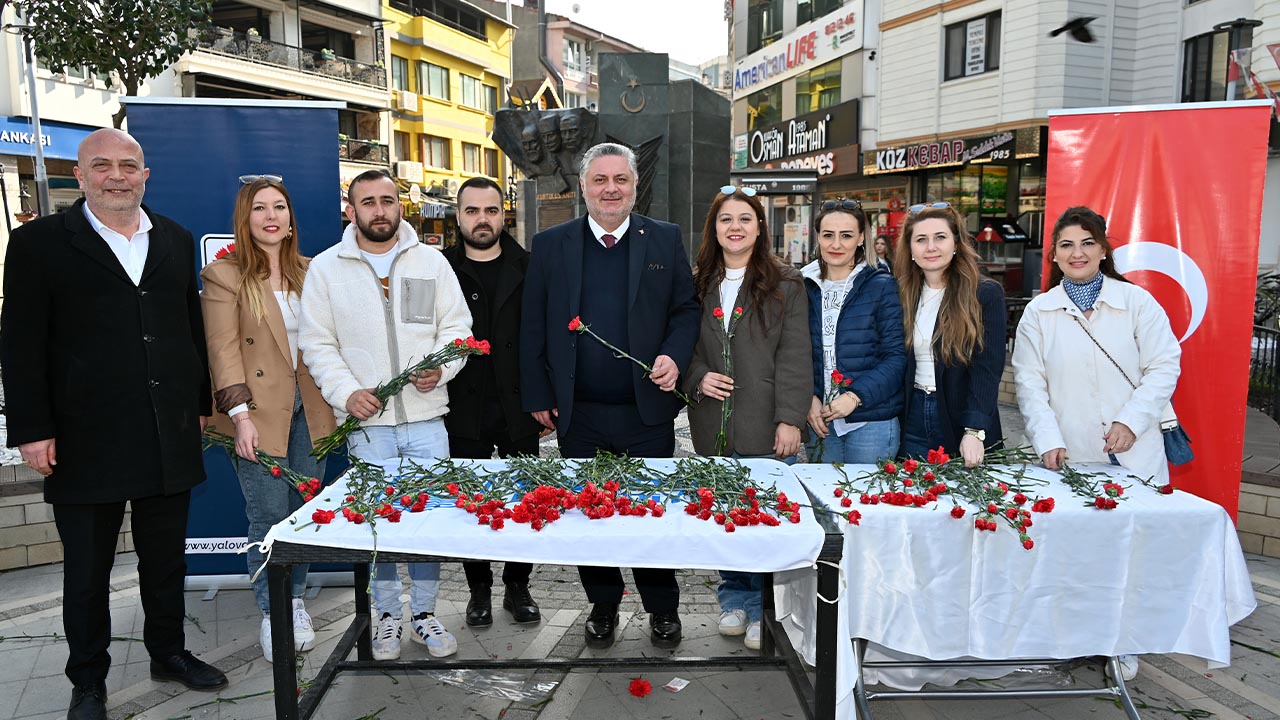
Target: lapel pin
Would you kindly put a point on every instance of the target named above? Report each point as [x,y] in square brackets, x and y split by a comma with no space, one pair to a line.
[642,231]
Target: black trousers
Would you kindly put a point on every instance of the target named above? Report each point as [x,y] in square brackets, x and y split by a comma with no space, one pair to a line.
[493,437]
[89,534]
[619,429]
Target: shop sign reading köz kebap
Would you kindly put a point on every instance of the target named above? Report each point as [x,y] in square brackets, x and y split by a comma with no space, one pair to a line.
[934,154]
[831,36]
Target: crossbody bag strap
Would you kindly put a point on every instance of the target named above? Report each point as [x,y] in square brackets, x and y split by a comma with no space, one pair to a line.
[1085,328]
[1168,419]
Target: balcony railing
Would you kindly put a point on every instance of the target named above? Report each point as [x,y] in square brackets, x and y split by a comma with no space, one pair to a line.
[369,151]
[1264,371]
[268,52]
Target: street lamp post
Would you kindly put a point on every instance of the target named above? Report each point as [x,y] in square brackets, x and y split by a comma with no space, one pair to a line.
[42,176]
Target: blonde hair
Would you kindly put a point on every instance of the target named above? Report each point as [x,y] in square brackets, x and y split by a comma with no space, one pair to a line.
[252,261]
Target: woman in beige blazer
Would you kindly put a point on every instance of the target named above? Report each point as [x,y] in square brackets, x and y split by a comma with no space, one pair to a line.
[770,381]
[264,394]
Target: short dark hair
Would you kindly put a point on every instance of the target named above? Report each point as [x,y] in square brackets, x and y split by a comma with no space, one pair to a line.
[366,176]
[480,183]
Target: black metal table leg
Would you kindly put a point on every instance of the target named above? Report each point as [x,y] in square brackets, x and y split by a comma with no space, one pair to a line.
[825,653]
[767,610]
[284,667]
[364,644]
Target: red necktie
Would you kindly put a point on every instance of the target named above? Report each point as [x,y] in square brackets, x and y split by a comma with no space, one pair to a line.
[609,240]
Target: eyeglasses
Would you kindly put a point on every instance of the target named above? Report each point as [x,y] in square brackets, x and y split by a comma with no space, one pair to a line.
[247,179]
[729,190]
[841,204]
[932,206]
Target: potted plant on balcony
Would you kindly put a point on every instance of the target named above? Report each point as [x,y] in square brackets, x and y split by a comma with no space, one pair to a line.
[253,35]
[327,54]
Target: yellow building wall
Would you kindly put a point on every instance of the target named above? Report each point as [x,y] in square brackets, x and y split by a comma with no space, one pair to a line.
[487,60]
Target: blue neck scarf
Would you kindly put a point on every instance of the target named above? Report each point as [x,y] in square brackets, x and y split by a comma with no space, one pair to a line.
[1084,294]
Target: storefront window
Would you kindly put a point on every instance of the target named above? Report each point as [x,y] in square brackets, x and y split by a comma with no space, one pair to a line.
[819,88]
[764,107]
[1031,198]
[807,10]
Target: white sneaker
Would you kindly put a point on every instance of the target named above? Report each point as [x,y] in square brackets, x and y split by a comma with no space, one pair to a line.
[1128,667]
[752,640]
[428,631]
[304,636]
[264,638]
[733,622]
[386,638]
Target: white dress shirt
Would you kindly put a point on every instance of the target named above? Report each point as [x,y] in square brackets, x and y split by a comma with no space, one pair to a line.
[131,252]
[598,230]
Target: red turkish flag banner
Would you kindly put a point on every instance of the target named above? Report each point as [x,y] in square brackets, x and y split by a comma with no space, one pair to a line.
[1181,189]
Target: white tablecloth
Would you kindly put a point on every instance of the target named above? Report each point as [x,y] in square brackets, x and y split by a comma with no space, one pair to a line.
[675,540]
[1159,574]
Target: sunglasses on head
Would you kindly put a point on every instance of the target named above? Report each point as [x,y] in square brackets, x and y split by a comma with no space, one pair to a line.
[932,206]
[841,204]
[247,179]
[729,190]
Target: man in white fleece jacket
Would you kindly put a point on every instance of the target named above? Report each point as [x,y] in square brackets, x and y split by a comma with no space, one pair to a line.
[379,271]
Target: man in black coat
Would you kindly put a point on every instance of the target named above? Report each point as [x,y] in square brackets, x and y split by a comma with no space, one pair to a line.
[107,390]
[484,399]
[628,277]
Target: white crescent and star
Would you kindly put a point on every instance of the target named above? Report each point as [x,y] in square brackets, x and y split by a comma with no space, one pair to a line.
[1172,262]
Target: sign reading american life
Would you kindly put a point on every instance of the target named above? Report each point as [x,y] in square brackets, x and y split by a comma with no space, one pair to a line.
[816,42]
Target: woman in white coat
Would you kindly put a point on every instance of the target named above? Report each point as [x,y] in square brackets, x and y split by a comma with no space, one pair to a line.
[1095,361]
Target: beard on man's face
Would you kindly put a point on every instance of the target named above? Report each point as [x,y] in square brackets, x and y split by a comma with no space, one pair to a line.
[378,234]
[482,236]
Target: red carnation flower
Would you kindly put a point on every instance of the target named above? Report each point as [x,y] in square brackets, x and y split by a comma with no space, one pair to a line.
[837,377]
[957,512]
[890,468]
[575,324]
[276,471]
[1028,543]
[639,687]
[1166,489]
[737,312]
[718,313]
[322,517]
[910,465]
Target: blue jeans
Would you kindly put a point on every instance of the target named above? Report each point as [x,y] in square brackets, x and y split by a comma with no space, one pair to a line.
[426,439]
[923,431]
[874,441]
[269,500]
[741,590]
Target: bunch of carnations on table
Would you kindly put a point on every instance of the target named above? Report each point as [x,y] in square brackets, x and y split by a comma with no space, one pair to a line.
[459,348]
[538,492]
[726,405]
[307,487]
[576,325]
[996,492]
[724,493]
[1098,489]
[836,384]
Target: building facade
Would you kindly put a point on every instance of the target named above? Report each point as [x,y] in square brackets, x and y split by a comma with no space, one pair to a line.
[450,66]
[802,77]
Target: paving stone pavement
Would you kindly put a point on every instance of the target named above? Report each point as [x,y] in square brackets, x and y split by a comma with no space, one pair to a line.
[223,627]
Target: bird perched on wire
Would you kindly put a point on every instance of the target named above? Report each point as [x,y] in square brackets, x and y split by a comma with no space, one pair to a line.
[1078,27]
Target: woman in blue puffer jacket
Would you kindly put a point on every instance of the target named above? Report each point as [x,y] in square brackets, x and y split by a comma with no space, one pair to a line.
[859,356]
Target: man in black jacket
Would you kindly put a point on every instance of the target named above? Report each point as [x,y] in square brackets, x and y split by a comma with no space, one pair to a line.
[484,399]
[107,390]
[628,277]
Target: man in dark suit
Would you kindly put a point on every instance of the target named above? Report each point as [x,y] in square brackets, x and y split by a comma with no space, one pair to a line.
[107,387]
[484,399]
[628,277]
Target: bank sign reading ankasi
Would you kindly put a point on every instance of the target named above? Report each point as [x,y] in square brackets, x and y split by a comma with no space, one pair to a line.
[808,46]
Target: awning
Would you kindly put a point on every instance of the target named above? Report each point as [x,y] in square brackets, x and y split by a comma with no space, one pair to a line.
[60,140]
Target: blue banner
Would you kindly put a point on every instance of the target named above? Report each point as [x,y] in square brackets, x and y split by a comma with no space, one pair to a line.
[196,150]
[60,140]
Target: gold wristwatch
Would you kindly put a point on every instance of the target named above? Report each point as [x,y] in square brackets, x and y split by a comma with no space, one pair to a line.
[980,434]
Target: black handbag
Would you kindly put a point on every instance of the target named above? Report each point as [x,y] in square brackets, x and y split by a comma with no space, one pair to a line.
[1177,443]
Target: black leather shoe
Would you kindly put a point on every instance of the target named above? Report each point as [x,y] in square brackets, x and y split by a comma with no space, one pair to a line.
[480,608]
[664,629]
[188,670]
[88,703]
[601,624]
[517,601]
